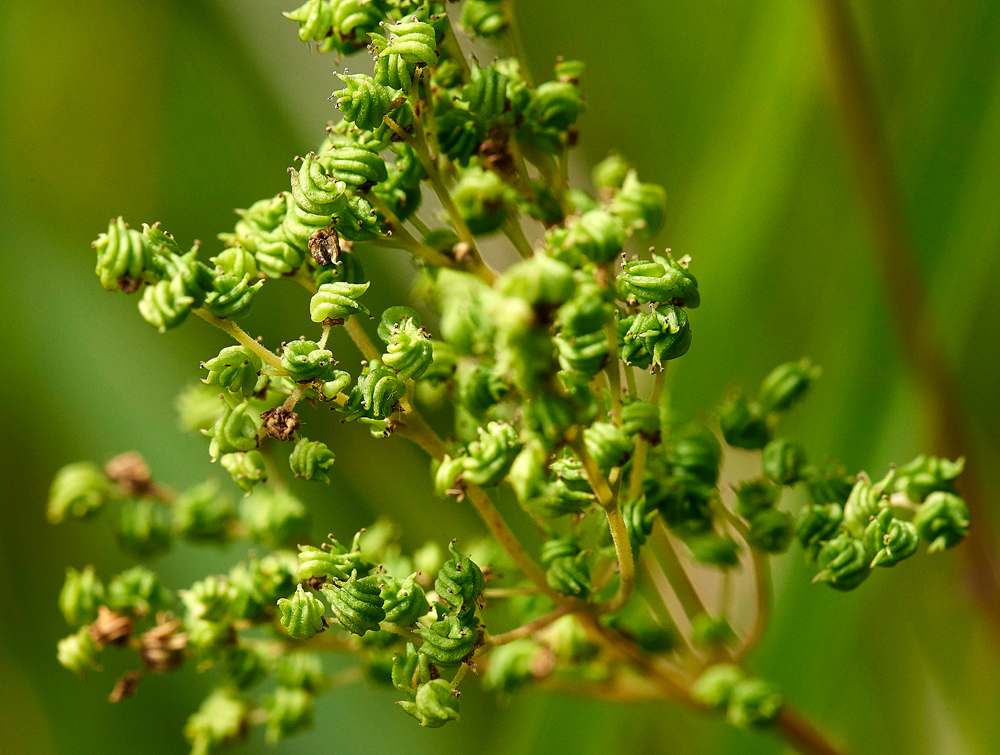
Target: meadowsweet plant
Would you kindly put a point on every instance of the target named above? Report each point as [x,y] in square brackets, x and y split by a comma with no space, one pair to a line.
[547,378]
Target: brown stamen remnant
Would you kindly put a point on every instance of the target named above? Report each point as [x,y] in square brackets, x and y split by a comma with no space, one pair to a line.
[280,422]
[131,472]
[162,647]
[496,154]
[462,252]
[129,285]
[125,687]
[324,246]
[111,628]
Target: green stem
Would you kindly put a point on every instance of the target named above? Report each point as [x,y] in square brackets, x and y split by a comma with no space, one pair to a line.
[404,239]
[678,577]
[633,389]
[513,231]
[228,326]
[514,35]
[422,228]
[613,371]
[530,628]
[762,584]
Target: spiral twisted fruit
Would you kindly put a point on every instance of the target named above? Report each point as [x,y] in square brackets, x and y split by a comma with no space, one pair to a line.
[332,561]
[401,191]
[80,596]
[247,468]
[412,40]
[306,361]
[311,460]
[314,191]
[358,221]
[459,134]
[771,531]
[378,389]
[449,641]
[607,444]
[483,18]
[337,301]
[235,368]
[289,711]
[301,614]
[201,514]
[491,454]
[363,100]
[315,20]
[818,523]
[123,257]
[927,474]
[890,539]
[486,94]
[585,354]
[403,600]
[347,269]
[642,206]
[77,491]
[356,602]
[654,338]
[660,280]
[459,583]
[166,304]
[236,261]
[942,520]
[235,430]
[434,705]
[784,461]
[409,350]
[844,562]
[353,21]
[391,71]
[566,568]
[232,296]
[638,523]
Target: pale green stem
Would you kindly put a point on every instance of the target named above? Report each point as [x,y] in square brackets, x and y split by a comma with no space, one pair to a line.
[613,371]
[513,231]
[404,239]
[451,44]
[240,335]
[762,584]
[633,389]
[679,580]
[422,228]
[459,675]
[530,628]
[514,35]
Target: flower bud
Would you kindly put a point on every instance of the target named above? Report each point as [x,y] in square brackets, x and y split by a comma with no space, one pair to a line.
[124,258]
[301,614]
[890,539]
[566,567]
[409,350]
[817,524]
[144,528]
[642,206]
[660,280]
[232,296]
[942,520]
[236,430]
[449,641]
[597,235]
[489,456]
[844,562]
[414,41]
[289,711]
[435,704]
[771,531]
[236,369]
[655,337]
[460,582]
[378,390]
[363,101]
[81,594]
[311,460]
[77,491]
[743,425]
[786,384]
[78,652]
[247,468]
[784,461]
[403,601]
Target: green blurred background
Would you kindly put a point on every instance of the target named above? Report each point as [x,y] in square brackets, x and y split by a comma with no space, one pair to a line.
[180,110]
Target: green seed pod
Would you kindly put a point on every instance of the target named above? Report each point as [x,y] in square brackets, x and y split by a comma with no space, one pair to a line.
[311,460]
[486,94]
[196,279]
[459,136]
[443,364]
[660,280]
[656,337]
[412,40]
[449,641]
[247,468]
[401,191]
[771,531]
[641,206]
[754,702]
[460,583]
[124,257]
[236,369]
[300,671]
[715,550]
[353,20]
[403,600]
[208,599]
[483,18]
[715,686]
[331,560]
[510,665]
[585,354]
[844,562]
[391,71]
[201,514]
[353,164]
[927,474]
[301,614]
[363,100]
[482,199]
[273,517]
[236,261]
[566,567]
[942,520]
[81,594]
[491,454]
[235,430]
[232,297]
[755,496]
[549,417]
[198,407]
[358,220]
[642,418]
[587,311]
[339,380]
[144,528]
[556,105]
[78,491]
[696,452]
[541,281]
[409,350]
[786,384]
[357,603]
[378,390]
[434,705]
[220,721]
[289,711]
[890,539]
[784,461]
[864,504]
[165,304]
[305,360]
[337,301]
[260,219]
[314,191]
[138,591]
[597,235]
[817,524]
[244,667]
[638,523]
[347,269]
[78,652]
[610,172]
[315,19]
[743,425]
[684,502]
[607,444]
[708,631]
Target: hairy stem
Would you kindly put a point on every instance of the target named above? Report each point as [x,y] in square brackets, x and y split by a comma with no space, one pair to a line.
[228,326]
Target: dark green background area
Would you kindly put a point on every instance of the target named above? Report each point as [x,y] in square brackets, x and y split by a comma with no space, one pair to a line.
[179,111]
